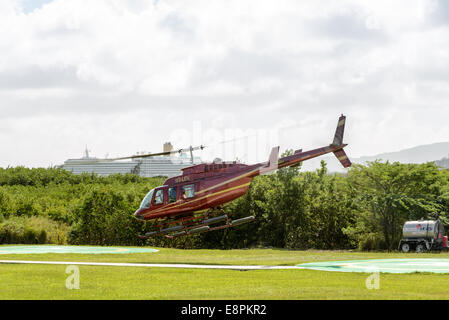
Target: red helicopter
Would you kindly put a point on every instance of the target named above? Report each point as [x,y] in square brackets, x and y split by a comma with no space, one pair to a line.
[192,202]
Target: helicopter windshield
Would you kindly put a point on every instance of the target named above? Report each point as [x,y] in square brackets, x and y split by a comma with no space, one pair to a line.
[147,200]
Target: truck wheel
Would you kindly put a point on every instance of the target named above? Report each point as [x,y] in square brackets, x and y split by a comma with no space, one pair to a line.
[405,247]
[420,248]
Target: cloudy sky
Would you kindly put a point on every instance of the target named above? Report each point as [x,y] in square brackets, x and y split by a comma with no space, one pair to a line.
[122,76]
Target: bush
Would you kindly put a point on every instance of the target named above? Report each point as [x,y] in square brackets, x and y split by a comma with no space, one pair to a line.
[371,241]
[105,218]
[25,207]
[5,203]
[34,230]
[12,232]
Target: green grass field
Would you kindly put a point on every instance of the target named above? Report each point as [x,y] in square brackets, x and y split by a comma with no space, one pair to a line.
[98,282]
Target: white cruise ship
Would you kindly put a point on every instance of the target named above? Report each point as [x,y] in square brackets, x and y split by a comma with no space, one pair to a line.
[167,166]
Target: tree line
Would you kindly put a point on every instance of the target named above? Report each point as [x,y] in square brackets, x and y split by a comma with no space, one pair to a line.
[363,208]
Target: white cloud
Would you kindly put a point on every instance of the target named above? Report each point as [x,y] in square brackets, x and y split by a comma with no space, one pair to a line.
[164,65]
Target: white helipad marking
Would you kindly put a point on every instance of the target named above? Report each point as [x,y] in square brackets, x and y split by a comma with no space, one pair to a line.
[386,265]
[402,266]
[431,264]
[151,265]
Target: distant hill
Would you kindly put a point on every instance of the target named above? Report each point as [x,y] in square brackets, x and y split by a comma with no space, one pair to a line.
[443,163]
[438,152]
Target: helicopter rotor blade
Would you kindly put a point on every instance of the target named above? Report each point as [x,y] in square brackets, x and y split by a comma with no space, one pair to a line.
[162,153]
[148,155]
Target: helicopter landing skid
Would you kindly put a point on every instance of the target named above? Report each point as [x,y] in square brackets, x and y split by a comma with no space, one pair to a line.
[207,228]
[196,224]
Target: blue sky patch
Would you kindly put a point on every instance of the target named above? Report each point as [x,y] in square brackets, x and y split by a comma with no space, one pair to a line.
[30,5]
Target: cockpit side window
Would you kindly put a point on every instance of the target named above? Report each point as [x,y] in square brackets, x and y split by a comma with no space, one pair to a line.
[147,200]
[159,197]
[188,191]
[172,194]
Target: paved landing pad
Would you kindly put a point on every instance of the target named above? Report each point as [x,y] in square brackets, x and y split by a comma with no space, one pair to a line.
[71,249]
[382,265]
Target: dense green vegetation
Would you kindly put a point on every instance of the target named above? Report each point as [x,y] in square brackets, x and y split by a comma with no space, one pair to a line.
[67,208]
[364,208]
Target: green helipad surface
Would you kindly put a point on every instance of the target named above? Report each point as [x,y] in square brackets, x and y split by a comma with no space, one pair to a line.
[71,249]
[382,265]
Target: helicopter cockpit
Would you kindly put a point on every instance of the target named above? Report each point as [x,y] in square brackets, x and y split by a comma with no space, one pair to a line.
[147,200]
[164,194]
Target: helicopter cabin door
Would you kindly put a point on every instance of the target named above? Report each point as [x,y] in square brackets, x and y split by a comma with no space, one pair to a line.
[160,197]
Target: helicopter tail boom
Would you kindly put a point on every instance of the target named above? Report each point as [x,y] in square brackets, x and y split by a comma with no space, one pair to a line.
[335,147]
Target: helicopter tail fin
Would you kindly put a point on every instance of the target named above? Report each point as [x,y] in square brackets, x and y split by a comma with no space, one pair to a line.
[339,132]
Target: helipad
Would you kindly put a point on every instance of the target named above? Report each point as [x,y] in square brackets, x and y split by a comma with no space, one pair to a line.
[382,265]
[71,249]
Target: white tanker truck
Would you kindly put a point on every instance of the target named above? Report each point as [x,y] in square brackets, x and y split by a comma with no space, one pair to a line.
[423,235]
